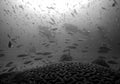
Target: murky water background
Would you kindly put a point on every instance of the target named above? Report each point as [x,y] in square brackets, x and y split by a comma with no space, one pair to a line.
[34,33]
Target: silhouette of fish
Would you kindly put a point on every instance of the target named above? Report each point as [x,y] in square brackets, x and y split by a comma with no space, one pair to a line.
[22,55]
[37,59]
[72,29]
[10,45]
[27,62]
[2,55]
[47,33]
[112,62]
[9,64]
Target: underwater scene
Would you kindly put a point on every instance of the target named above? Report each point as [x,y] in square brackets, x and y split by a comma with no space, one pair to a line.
[39,33]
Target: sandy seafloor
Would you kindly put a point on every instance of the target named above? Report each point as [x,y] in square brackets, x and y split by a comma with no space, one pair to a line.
[37,34]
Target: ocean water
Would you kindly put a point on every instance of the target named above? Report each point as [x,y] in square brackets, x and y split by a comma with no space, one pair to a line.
[34,34]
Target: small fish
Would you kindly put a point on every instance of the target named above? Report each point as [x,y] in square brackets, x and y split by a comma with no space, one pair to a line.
[75,11]
[116,57]
[72,14]
[19,46]
[75,44]
[22,55]
[81,39]
[67,39]
[47,45]
[52,20]
[70,33]
[38,58]
[27,62]
[66,50]
[118,44]
[1,66]
[32,49]
[52,41]
[103,8]
[11,69]
[115,3]
[51,8]
[71,28]
[66,57]
[84,32]
[21,6]
[47,53]
[10,45]
[50,56]
[14,40]
[47,33]
[100,62]
[102,57]
[112,62]
[9,36]
[4,70]
[103,49]
[84,51]
[54,29]
[52,23]
[71,47]
[9,64]
[44,43]
[38,53]
[2,55]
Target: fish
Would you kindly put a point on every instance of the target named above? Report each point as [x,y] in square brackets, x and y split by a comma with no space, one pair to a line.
[2,55]
[75,44]
[116,57]
[22,55]
[9,36]
[54,29]
[100,62]
[102,57]
[27,62]
[10,45]
[32,49]
[84,32]
[75,11]
[51,8]
[50,56]
[9,64]
[38,53]
[52,23]
[71,47]
[112,62]
[65,57]
[66,50]
[52,20]
[1,66]
[114,3]
[47,53]
[38,58]
[4,70]
[81,40]
[72,14]
[104,49]
[19,46]
[43,53]
[11,69]
[21,6]
[67,39]
[48,34]
[84,51]
[47,45]
[70,28]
